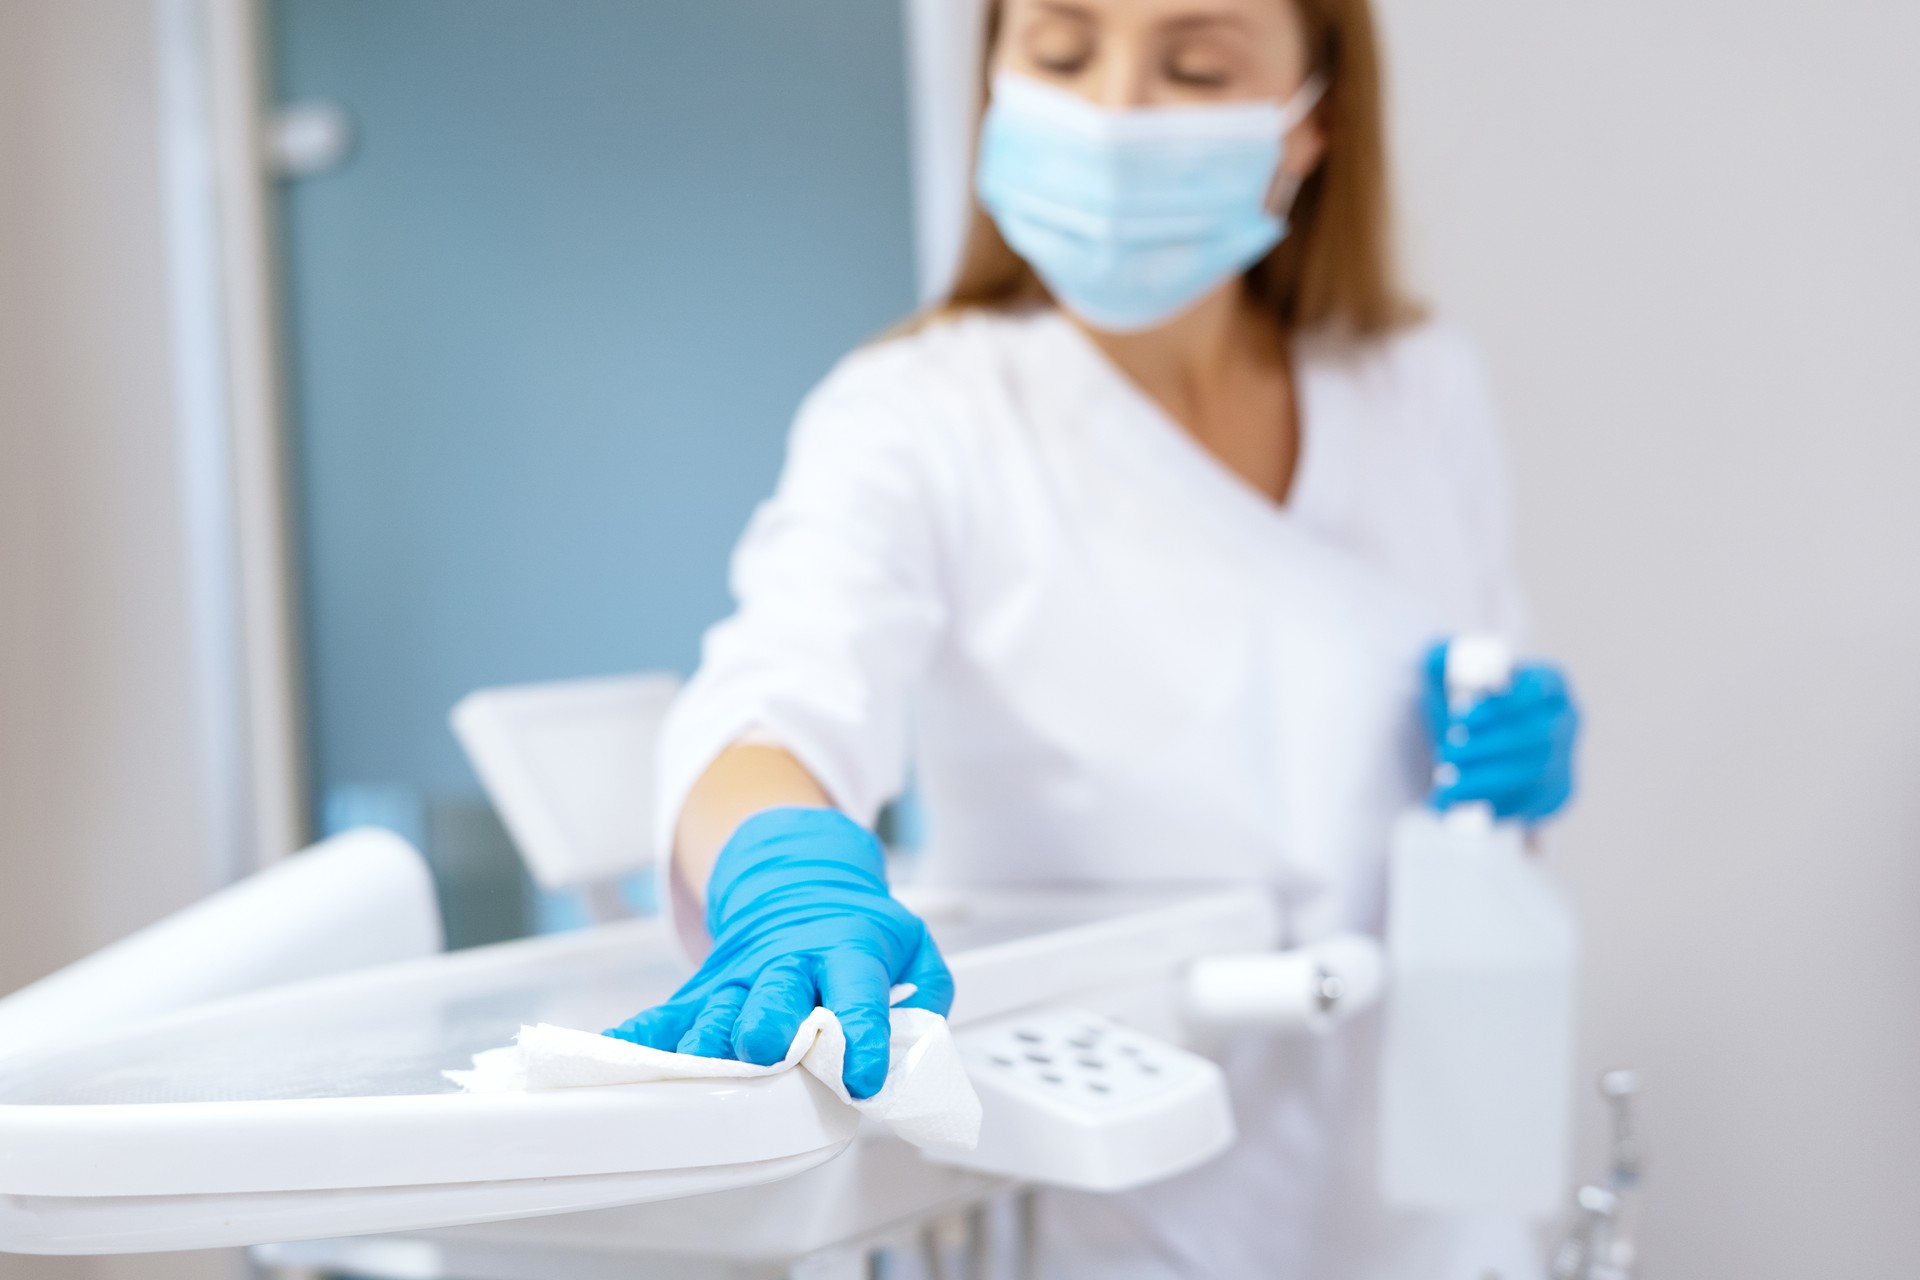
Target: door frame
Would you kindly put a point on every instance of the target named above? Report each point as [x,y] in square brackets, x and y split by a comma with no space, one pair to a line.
[226,354]
[943,97]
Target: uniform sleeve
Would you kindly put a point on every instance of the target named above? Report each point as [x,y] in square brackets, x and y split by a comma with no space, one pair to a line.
[1477,460]
[841,600]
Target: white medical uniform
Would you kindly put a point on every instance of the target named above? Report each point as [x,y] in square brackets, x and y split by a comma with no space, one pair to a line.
[1111,660]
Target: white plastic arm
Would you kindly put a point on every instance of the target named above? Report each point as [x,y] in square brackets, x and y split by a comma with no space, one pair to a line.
[361,898]
[1313,988]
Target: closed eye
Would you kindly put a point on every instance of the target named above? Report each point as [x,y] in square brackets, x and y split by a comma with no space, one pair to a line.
[1205,52]
[1197,71]
[1058,39]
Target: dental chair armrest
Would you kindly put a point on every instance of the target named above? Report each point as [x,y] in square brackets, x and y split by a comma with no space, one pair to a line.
[362,898]
[1313,988]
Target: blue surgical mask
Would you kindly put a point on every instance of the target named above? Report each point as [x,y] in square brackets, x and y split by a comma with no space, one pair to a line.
[1132,216]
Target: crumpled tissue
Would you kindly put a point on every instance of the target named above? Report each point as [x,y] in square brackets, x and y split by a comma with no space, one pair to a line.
[926,1100]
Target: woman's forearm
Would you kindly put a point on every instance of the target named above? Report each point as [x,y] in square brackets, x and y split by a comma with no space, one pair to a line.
[741,781]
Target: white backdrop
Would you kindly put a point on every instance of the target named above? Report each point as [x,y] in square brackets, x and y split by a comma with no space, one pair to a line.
[1682,235]
[1681,232]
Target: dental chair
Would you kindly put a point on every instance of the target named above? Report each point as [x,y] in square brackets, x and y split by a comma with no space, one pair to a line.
[265,1068]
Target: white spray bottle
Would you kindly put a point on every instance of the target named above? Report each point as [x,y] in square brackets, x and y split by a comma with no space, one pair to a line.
[1477,1066]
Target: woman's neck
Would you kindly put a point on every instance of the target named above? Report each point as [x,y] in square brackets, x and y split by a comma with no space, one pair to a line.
[1221,371]
[1184,363]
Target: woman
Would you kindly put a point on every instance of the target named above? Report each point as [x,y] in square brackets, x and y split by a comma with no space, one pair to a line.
[1133,547]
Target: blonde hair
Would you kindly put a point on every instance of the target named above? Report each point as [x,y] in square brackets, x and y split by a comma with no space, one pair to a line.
[1335,270]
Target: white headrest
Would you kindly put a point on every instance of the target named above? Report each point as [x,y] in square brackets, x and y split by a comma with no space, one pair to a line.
[569,766]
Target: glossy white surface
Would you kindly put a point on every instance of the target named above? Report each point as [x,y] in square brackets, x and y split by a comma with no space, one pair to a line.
[319,1108]
[338,1083]
[144,1224]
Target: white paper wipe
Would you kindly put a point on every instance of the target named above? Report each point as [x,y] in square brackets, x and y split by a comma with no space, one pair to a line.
[927,1098]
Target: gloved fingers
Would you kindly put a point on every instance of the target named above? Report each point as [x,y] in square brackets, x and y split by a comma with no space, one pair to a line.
[711,1035]
[927,971]
[1538,680]
[1495,779]
[783,994]
[1533,794]
[1533,803]
[1532,691]
[659,1027]
[1526,735]
[1489,716]
[1512,750]
[1544,801]
[855,985]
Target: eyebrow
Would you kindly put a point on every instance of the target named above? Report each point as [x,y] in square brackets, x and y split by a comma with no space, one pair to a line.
[1067,9]
[1194,21]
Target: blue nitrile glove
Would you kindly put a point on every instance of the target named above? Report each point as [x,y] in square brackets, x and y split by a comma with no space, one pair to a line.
[800,916]
[1513,749]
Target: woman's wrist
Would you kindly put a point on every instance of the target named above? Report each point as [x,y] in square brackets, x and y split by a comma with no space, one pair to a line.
[821,845]
[743,781]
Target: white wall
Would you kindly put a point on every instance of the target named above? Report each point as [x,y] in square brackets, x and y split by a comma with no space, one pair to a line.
[100,818]
[1683,233]
[102,824]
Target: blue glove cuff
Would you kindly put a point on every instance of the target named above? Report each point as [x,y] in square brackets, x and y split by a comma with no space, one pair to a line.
[773,845]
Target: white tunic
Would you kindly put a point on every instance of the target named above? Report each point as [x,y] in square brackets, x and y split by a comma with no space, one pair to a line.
[1111,660]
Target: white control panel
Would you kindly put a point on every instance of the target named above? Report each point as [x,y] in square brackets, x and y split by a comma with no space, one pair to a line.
[1075,1099]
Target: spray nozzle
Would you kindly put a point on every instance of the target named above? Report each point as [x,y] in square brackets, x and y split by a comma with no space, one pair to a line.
[1477,665]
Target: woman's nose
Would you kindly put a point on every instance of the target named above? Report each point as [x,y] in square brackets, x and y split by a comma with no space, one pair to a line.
[1119,79]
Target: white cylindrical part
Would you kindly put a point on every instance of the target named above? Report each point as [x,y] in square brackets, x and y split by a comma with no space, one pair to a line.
[362,898]
[1311,988]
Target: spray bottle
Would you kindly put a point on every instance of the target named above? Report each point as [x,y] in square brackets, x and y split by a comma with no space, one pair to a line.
[1477,1065]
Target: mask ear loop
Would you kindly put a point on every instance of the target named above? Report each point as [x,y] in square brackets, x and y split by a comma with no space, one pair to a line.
[1286,187]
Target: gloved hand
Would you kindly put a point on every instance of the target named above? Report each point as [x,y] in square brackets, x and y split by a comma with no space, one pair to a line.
[1513,749]
[800,916]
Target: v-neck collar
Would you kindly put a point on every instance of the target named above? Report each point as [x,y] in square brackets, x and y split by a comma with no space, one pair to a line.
[1138,421]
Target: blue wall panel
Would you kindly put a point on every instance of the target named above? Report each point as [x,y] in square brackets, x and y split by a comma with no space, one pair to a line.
[548,327]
